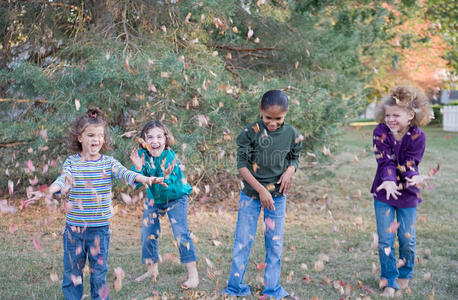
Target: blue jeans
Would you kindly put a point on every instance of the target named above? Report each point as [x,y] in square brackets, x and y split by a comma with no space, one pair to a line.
[177,211]
[79,243]
[386,215]
[245,232]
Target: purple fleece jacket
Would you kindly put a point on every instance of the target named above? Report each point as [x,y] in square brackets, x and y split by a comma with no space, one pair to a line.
[396,161]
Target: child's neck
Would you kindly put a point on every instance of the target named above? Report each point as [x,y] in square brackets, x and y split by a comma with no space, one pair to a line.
[88,156]
[400,134]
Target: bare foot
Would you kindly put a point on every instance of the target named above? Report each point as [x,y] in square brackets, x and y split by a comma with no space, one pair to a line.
[388,292]
[403,283]
[193,276]
[152,272]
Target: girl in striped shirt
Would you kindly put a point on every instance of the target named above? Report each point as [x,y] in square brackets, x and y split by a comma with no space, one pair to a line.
[88,175]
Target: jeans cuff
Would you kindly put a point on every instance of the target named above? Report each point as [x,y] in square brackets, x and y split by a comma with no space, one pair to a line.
[188,259]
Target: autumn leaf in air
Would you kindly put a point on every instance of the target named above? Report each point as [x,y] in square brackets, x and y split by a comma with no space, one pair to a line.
[119,276]
[433,171]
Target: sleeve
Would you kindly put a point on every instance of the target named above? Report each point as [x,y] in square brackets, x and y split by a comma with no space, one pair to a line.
[243,149]
[413,155]
[65,175]
[293,156]
[384,155]
[122,173]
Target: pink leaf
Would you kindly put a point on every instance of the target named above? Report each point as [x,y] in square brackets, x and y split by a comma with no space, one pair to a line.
[393,227]
[126,198]
[270,224]
[10,187]
[44,134]
[29,165]
[37,244]
[34,181]
[260,266]
[13,228]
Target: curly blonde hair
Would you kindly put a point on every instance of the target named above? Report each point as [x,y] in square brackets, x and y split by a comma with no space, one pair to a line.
[410,98]
[94,116]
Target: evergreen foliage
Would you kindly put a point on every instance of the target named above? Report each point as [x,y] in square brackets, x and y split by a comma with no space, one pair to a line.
[202,67]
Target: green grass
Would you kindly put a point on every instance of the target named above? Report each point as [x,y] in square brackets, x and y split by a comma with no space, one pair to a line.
[333,216]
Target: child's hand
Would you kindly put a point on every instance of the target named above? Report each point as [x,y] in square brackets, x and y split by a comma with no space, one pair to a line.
[266,199]
[169,168]
[418,181]
[286,179]
[390,188]
[137,160]
[155,180]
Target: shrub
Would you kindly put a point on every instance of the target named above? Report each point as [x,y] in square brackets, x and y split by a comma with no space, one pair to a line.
[437,109]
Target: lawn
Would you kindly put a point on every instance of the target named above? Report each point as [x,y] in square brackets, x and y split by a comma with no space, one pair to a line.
[328,251]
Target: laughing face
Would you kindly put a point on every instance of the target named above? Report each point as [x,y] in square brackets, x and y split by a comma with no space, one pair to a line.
[398,118]
[273,117]
[157,139]
[92,139]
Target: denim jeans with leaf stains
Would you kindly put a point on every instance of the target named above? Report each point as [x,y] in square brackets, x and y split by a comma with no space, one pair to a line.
[81,243]
[177,211]
[245,232]
[391,222]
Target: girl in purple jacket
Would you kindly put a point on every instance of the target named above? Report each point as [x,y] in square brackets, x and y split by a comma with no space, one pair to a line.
[399,146]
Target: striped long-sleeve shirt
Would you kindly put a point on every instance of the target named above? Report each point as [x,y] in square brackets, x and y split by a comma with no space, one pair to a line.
[91,188]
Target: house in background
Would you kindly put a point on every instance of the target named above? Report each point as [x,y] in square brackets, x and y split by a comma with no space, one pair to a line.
[447,96]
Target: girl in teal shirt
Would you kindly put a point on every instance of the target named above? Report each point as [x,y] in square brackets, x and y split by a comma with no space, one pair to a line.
[156,157]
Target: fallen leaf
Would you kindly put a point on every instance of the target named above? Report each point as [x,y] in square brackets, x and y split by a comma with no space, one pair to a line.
[400,263]
[393,227]
[13,228]
[387,250]
[37,244]
[77,104]
[77,280]
[318,266]
[433,171]
[323,257]
[10,187]
[255,167]
[188,16]
[269,224]
[250,32]
[29,165]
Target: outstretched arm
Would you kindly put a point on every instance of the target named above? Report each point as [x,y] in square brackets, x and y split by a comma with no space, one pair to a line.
[150,180]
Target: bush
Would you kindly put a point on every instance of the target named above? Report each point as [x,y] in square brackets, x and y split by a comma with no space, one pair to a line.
[175,75]
[437,109]
[452,103]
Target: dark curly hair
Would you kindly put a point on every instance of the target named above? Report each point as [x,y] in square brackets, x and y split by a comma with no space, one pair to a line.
[410,98]
[94,116]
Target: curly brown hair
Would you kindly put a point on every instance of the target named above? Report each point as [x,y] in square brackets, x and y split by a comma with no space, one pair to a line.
[169,139]
[410,98]
[94,116]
